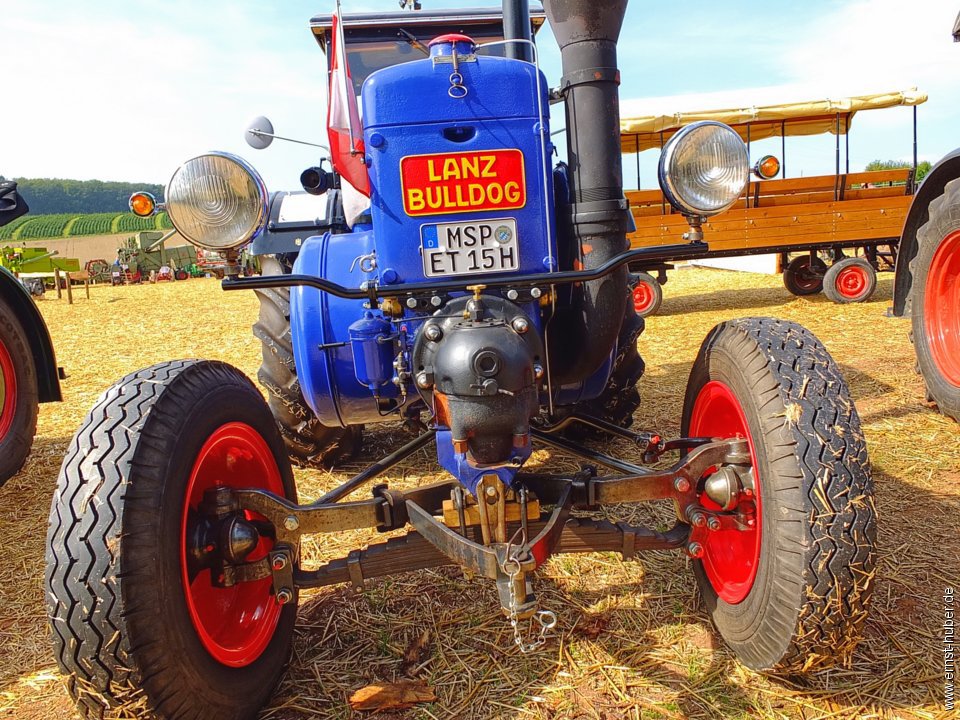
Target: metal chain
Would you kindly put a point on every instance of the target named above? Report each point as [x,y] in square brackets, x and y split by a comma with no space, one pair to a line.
[546,619]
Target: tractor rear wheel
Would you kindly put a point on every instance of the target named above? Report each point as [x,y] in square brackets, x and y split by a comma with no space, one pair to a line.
[850,280]
[620,398]
[803,276]
[309,443]
[935,301]
[18,395]
[138,624]
[788,590]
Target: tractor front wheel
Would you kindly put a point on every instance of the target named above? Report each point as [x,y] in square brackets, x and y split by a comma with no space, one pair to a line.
[143,618]
[935,301]
[787,589]
[18,394]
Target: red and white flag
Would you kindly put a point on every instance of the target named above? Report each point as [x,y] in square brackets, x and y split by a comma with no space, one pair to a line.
[343,116]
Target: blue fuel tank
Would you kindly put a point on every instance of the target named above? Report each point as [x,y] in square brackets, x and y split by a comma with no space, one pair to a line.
[461,183]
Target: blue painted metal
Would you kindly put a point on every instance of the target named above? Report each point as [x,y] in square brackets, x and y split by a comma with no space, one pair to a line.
[467,475]
[402,110]
[372,342]
[319,325]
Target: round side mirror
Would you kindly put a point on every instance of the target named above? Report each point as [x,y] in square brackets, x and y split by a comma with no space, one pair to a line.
[259,133]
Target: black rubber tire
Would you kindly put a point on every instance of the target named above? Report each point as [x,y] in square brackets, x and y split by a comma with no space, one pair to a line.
[944,219]
[831,284]
[620,398]
[807,604]
[801,278]
[181,275]
[655,290]
[16,442]
[121,630]
[309,443]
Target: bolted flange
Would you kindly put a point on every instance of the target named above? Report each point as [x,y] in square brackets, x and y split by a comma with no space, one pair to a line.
[695,550]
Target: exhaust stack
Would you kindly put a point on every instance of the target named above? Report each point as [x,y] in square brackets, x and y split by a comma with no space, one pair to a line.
[587,32]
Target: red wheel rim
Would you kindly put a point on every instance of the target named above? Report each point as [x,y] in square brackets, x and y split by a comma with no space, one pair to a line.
[234,624]
[643,297]
[852,282]
[941,308]
[8,391]
[730,556]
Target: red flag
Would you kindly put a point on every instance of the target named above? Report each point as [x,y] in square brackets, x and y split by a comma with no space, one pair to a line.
[343,116]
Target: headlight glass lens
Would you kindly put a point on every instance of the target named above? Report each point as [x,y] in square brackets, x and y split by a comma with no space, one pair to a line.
[704,168]
[217,201]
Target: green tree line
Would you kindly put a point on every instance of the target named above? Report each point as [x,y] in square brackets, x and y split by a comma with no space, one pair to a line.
[923,167]
[50,196]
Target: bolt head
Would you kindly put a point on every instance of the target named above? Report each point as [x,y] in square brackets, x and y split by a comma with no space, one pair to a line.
[491,491]
[698,519]
[520,325]
[436,301]
[681,484]
[695,550]
[291,523]
[512,294]
[279,562]
[535,292]
[423,381]
[432,332]
[284,595]
[713,524]
[411,303]
[538,370]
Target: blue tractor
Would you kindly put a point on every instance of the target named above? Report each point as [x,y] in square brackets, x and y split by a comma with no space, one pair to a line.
[482,299]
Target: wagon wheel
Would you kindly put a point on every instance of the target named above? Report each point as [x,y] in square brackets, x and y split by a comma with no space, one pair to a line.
[146,570]
[647,294]
[803,277]
[18,394]
[787,587]
[850,280]
[935,301]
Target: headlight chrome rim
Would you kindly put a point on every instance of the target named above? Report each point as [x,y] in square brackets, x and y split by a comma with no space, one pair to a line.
[669,182]
[192,230]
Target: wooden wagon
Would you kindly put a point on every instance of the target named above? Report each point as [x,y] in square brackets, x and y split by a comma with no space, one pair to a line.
[851,220]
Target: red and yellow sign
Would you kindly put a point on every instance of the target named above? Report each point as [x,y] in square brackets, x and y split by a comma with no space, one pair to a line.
[447,183]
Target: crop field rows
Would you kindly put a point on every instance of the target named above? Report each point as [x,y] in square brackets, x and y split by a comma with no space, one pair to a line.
[43,227]
[633,640]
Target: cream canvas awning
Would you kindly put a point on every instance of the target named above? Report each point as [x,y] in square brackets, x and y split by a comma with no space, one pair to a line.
[813,117]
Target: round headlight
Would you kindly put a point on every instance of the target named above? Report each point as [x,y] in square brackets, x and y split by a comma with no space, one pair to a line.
[217,201]
[704,168]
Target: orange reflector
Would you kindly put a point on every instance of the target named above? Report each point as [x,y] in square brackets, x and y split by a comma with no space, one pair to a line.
[142,204]
[767,167]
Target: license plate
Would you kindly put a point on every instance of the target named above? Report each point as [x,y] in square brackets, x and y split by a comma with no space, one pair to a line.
[469,248]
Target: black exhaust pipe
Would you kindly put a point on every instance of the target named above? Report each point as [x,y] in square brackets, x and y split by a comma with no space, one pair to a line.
[584,331]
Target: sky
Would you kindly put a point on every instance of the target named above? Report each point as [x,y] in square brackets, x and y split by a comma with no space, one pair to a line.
[120,90]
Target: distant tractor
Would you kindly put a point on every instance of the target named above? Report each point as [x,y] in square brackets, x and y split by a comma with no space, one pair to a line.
[28,367]
[147,252]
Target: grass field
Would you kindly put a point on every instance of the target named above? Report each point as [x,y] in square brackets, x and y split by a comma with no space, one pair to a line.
[633,640]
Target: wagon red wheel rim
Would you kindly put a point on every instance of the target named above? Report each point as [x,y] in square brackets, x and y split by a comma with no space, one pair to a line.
[941,308]
[643,297]
[731,557]
[8,391]
[852,282]
[234,624]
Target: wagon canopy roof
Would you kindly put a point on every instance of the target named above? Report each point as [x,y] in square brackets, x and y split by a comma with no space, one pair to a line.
[812,117]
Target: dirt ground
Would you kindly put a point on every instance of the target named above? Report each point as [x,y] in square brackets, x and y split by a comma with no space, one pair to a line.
[633,640]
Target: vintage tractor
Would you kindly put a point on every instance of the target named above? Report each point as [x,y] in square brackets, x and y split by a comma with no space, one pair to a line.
[483,300]
[28,367]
